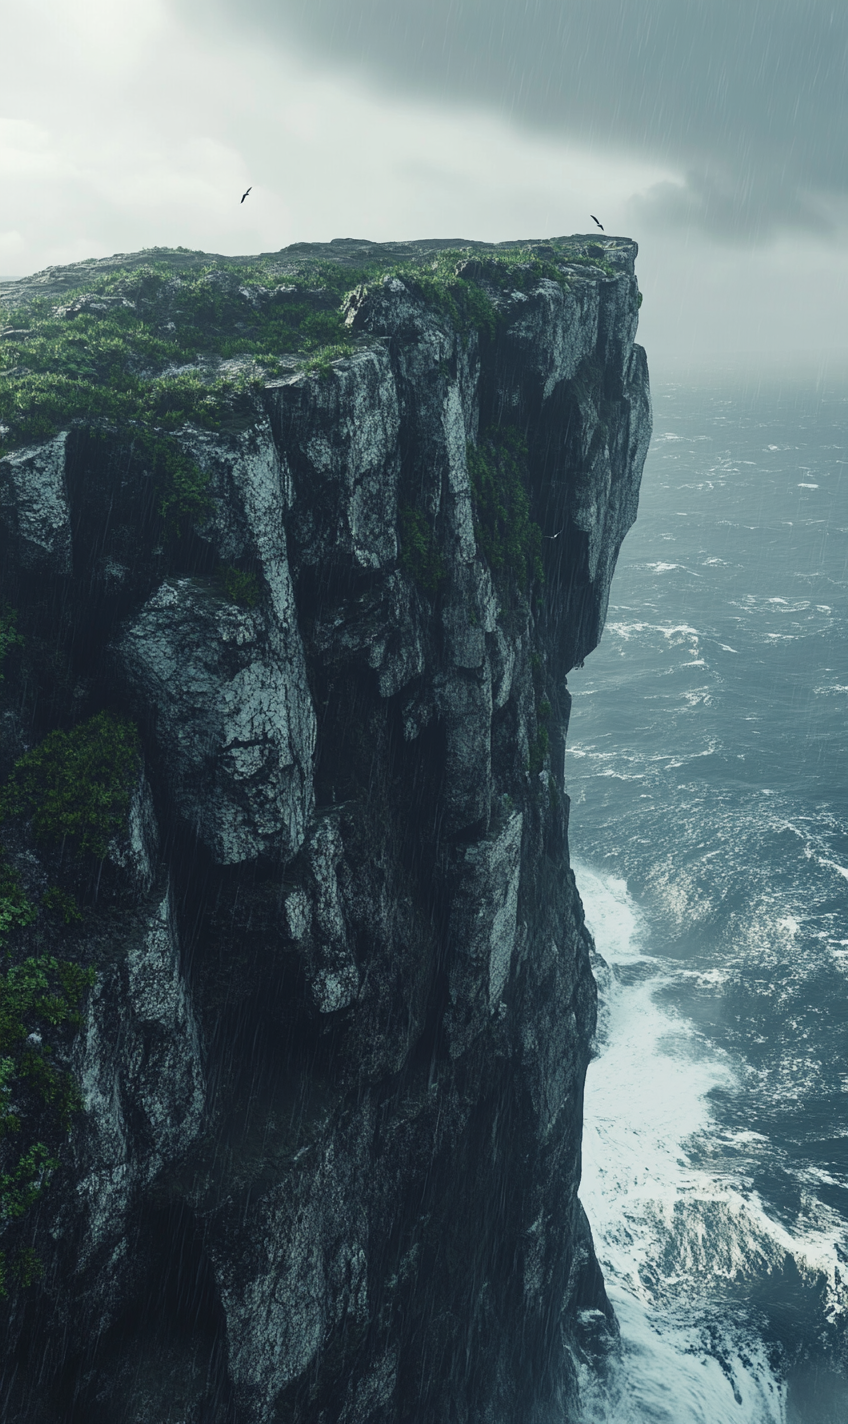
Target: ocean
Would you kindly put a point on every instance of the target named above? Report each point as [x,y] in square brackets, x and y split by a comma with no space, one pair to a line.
[706,767]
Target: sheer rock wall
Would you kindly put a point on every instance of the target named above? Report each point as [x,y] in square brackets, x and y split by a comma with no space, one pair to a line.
[332,1068]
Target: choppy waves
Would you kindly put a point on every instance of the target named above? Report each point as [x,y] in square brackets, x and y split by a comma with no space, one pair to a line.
[687,1246]
[708,772]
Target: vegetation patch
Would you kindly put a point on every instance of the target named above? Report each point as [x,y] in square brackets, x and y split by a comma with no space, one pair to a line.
[442,285]
[61,904]
[322,363]
[133,348]
[75,786]
[38,999]
[130,349]
[9,636]
[510,540]
[419,552]
[538,752]
[240,587]
[16,911]
[461,283]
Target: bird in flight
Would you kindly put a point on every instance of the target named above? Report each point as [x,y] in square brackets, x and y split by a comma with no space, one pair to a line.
[591,215]
[244,195]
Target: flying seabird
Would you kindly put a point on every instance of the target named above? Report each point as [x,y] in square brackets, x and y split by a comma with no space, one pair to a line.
[244,195]
[591,215]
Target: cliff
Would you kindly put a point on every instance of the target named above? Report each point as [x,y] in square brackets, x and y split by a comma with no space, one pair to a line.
[296,1003]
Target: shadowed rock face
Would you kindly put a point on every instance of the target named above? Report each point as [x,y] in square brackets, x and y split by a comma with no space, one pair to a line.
[332,1067]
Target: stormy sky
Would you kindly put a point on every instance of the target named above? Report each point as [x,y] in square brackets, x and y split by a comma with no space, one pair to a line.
[712,131]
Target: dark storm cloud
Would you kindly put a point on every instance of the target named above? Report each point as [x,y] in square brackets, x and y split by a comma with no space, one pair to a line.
[747,99]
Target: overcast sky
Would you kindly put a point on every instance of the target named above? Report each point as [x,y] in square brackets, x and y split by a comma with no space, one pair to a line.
[715,132]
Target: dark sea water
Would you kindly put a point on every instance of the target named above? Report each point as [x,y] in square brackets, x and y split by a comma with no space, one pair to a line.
[708,771]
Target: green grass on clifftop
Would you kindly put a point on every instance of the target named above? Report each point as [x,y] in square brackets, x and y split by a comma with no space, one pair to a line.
[145,348]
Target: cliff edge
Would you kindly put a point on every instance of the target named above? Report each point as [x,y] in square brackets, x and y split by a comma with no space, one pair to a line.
[296,1003]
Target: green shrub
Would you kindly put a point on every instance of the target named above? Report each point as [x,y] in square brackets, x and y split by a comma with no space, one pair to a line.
[25,1268]
[240,587]
[9,636]
[75,786]
[419,552]
[37,997]
[183,486]
[506,535]
[62,904]
[16,912]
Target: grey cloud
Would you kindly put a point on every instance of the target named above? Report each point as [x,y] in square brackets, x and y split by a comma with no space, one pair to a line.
[746,97]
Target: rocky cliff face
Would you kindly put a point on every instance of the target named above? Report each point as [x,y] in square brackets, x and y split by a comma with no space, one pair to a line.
[324,1160]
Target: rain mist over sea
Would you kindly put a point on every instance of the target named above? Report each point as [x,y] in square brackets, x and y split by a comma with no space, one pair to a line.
[709,829]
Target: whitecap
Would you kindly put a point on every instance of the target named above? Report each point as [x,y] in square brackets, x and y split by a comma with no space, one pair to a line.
[833,865]
[669,1231]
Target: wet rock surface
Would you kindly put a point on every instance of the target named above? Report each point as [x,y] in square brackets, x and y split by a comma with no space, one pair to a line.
[327,1158]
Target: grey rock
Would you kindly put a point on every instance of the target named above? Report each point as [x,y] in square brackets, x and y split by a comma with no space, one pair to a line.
[438,410]
[233,720]
[502,658]
[143,1095]
[549,332]
[331,970]
[137,851]
[34,506]
[382,629]
[292,1267]
[249,490]
[482,931]
[340,434]
[470,611]
[464,703]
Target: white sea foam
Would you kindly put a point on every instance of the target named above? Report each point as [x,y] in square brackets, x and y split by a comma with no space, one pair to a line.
[666,1376]
[833,865]
[669,1232]
[673,632]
